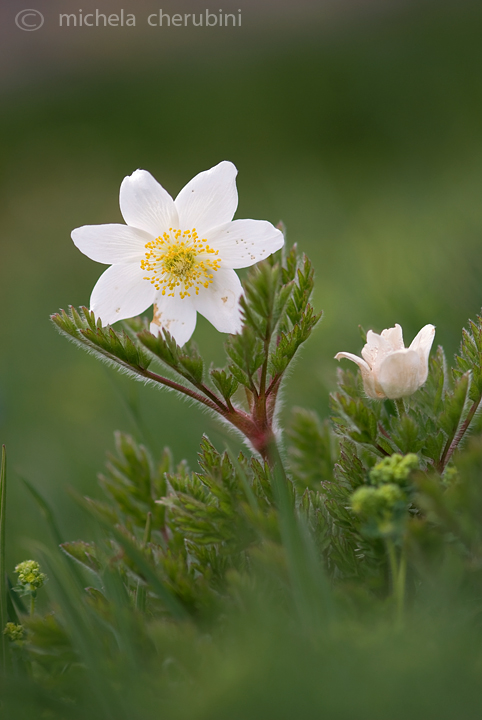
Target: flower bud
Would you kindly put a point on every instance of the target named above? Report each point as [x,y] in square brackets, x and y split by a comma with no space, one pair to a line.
[376,503]
[388,368]
[14,632]
[394,469]
[30,579]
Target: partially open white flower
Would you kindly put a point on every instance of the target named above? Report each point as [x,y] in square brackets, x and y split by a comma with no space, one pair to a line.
[178,255]
[388,368]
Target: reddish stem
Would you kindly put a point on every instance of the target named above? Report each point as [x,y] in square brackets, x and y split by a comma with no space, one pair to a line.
[450,449]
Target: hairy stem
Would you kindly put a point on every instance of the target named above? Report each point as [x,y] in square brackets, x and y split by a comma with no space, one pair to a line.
[274,384]
[212,396]
[383,432]
[381,450]
[452,446]
[214,404]
[400,405]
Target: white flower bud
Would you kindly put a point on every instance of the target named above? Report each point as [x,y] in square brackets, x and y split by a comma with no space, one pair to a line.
[388,368]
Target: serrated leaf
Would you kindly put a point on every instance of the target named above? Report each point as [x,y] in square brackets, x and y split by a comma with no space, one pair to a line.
[83,553]
[226,384]
[247,353]
[455,406]
[406,434]
[83,326]
[313,449]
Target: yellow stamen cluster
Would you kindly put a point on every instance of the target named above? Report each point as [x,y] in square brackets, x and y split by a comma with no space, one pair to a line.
[181,260]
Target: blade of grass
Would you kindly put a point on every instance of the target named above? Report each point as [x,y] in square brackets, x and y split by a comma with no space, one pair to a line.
[250,496]
[3,569]
[311,591]
[82,626]
[49,516]
[144,566]
[45,509]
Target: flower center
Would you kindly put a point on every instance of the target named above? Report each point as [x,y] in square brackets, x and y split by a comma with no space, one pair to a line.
[181,260]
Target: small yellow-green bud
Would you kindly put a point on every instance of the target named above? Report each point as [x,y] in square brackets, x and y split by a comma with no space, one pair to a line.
[376,502]
[394,469]
[365,501]
[390,494]
[14,632]
[29,575]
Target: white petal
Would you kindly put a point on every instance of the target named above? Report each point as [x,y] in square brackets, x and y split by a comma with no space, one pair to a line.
[354,358]
[219,303]
[399,374]
[394,336]
[111,244]
[209,199]
[176,315]
[371,386]
[146,205]
[422,345]
[121,292]
[372,389]
[242,243]
[376,348]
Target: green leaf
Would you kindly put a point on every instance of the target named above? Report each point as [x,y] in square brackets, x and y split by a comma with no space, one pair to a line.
[289,342]
[45,509]
[134,484]
[225,383]
[313,449]
[83,553]
[406,434]
[82,326]
[186,361]
[455,406]
[362,423]
[470,357]
[290,263]
[247,353]
[301,292]
[264,299]
[430,398]
[144,567]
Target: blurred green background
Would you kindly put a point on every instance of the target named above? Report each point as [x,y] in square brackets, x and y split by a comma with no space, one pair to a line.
[359,125]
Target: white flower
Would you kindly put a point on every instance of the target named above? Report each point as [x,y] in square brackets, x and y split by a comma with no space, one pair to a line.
[178,255]
[388,368]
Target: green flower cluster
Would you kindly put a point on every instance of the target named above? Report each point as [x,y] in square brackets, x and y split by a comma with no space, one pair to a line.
[376,502]
[394,469]
[384,501]
[14,633]
[29,576]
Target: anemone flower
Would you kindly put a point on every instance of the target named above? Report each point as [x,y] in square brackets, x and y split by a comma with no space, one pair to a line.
[388,368]
[177,255]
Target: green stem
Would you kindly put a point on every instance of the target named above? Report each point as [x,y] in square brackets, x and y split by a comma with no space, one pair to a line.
[311,593]
[147,530]
[214,404]
[451,447]
[392,557]
[400,405]
[32,604]
[141,589]
[381,450]
[398,572]
[3,568]
[402,574]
